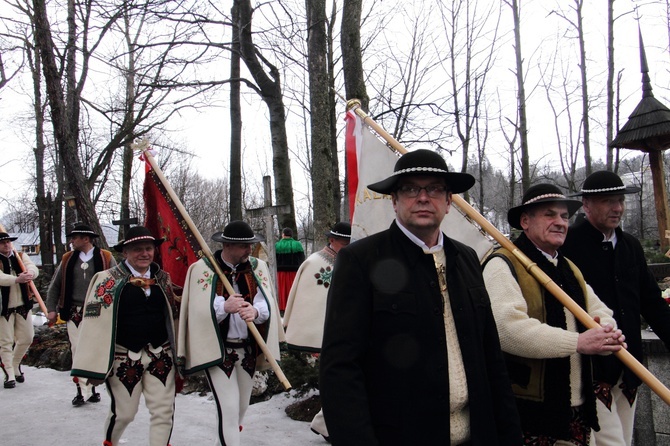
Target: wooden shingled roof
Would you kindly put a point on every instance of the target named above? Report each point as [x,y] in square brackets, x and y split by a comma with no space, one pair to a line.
[648,127]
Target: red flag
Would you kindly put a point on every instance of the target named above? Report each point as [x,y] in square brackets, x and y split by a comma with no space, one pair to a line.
[179,249]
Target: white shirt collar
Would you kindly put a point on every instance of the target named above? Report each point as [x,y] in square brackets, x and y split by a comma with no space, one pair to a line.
[420,243]
[86,256]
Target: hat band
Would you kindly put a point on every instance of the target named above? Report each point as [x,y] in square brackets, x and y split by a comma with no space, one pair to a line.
[543,196]
[140,238]
[338,234]
[420,169]
[6,238]
[239,239]
[606,189]
[81,231]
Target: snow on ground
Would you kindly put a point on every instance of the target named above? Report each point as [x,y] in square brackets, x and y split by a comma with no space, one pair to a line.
[40,412]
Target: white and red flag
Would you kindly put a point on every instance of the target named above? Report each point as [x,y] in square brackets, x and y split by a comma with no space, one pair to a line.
[369,160]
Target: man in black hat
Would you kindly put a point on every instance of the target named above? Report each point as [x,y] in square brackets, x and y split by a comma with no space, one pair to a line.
[547,350]
[67,292]
[410,351]
[213,332]
[306,308]
[613,263]
[127,338]
[16,318]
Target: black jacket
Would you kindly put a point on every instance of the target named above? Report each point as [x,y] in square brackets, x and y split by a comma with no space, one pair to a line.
[384,377]
[621,279]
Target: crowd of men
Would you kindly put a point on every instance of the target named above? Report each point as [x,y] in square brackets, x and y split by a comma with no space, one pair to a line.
[419,343]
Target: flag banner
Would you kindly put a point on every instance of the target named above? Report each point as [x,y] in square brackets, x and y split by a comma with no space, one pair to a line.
[180,247]
[370,160]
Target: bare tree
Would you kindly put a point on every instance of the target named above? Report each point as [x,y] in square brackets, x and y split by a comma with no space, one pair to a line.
[352,52]
[269,86]
[235,121]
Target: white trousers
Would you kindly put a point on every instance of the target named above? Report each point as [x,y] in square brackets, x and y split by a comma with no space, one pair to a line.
[232,397]
[73,336]
[616,425]
[16,335]
[125,391]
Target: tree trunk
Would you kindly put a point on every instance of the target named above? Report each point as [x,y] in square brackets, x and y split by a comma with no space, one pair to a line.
[585,93]
[352,56]
[610,84]
[64,115]
[235,122]
[271,94]
[521,99]
[335,170]
[322,158]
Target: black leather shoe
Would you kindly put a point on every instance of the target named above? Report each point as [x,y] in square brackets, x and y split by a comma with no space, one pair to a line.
[78,401]
[94,398]
[10,384]
[20,378]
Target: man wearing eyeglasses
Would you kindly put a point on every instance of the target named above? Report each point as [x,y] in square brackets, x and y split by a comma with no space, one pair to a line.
[410,351]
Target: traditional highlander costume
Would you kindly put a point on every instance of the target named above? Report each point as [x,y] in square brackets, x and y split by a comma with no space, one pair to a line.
[67,293]
[551,381]
[218,343]
[290,255]
[306,309]
[128,339]
[617,270]
[16,319]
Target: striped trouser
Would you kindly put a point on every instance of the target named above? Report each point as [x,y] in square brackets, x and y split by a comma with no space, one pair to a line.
[149,372]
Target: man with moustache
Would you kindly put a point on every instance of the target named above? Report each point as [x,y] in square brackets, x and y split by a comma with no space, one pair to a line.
[213,332]
[67,292]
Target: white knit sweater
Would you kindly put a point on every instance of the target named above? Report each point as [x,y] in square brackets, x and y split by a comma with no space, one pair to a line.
[527,337]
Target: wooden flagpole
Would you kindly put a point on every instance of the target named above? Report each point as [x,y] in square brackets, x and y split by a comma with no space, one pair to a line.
[32,286]
[624,356]
[142,146]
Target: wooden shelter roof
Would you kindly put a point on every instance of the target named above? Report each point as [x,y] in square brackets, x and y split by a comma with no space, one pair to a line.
[648,127]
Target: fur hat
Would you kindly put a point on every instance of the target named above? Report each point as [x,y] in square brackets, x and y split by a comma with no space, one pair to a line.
[424,162]
[537,194]
[137,234]
[604,182]
[237,232]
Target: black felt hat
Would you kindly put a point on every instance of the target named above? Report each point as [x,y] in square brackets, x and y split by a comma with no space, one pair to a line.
[137,234]
[341,230]
[424,162]
[237,232]
[537,194]
[604,182]
[82,229]
[5,236]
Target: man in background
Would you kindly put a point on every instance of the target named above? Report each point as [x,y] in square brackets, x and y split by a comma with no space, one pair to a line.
[613,263]
[67,292]
[290,255]
[16,318]
[306,308]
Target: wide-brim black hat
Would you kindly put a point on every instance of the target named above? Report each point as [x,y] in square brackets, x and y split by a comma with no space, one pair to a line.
[82,229]
[424,162]
[137,234]
[341,229]
[537,194]
[237,232]
[5,236]
[604,182]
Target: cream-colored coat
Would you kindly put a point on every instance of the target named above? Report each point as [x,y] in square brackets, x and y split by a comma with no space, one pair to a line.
[200,344]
